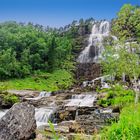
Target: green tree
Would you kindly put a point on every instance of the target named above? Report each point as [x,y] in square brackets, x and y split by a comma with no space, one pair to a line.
[9,67]
[127,24]
[122,59]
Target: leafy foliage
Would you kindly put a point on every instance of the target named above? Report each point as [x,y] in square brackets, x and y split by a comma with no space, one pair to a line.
[27,48]
[120,59]
[116,96]
[55,135]
[127,25]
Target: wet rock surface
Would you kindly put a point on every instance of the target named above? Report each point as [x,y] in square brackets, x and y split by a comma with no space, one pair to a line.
[88,71]
[86,119]
[18,123]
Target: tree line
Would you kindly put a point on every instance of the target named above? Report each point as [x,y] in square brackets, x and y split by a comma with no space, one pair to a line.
[26,48]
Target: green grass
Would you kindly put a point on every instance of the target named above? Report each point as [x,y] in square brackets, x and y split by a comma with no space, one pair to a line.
[56,80]
[128,127]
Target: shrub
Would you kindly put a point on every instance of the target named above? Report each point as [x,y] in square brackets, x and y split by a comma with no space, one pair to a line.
[11,99]
[116,96]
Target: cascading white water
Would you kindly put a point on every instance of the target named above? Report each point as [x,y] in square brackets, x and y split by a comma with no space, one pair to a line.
[93,51]
[85,100]
[42,115]
[44,94]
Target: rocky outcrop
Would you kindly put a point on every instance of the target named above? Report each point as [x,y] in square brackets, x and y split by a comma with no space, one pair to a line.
[18,123]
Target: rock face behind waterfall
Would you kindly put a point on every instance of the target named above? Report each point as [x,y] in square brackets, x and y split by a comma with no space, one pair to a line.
[18,123]
[88,71]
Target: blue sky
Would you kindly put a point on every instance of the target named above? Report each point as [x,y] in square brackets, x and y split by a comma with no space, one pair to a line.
[57,13]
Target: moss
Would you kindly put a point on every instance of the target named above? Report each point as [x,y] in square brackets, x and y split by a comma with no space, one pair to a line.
[11,99]
[7,100]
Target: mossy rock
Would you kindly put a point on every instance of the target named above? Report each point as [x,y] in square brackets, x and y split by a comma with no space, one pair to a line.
[7,100]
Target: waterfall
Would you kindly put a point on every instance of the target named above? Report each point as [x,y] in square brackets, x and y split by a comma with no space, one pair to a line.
[42,115]
[92,53]
[85,100]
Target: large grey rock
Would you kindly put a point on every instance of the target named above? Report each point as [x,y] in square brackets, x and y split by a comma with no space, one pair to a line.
[18,123]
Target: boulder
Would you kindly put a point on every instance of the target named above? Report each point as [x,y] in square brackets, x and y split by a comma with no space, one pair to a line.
[18,123]
[64,114]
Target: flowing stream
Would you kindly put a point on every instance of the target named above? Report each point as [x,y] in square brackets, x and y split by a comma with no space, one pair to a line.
[3,112]
[44,114]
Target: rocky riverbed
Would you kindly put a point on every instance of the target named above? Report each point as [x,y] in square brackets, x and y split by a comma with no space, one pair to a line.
[70,111]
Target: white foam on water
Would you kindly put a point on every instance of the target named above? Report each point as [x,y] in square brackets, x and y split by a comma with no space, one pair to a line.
[42,115]
[82,100]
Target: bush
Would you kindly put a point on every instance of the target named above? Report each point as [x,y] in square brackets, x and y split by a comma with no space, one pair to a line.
[3,87]
[116,96]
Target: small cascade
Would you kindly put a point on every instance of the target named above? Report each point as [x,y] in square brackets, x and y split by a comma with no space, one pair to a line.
[42,115]
[41,95]
[44,94]
[93,52]
[82,100]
